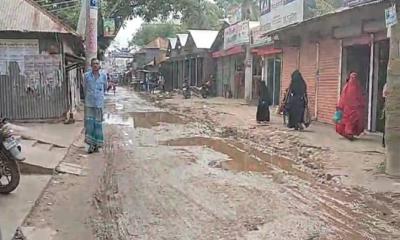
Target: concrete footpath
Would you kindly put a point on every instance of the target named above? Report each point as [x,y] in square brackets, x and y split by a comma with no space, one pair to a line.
[44,146]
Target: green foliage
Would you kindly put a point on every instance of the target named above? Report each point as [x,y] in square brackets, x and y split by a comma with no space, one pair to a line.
[195,15]
[201,15]
[314,8]
[150,31]
[67,11]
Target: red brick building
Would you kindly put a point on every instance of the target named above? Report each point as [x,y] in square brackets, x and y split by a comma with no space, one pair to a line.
[325,49]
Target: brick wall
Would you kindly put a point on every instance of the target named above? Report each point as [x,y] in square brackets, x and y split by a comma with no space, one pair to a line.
[308,68]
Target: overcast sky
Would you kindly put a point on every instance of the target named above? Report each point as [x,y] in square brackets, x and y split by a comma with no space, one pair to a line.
[125,34]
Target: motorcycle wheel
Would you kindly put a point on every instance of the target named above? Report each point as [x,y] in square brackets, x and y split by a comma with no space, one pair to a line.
[9,176]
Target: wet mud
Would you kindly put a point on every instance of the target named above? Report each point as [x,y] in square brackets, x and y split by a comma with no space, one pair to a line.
[143,119]
[243,158]
[350,212]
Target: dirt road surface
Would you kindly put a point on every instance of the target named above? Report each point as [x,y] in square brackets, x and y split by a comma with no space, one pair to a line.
[167,176]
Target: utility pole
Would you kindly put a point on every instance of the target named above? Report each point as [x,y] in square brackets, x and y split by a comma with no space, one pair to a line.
[91,30]
[392,127]
[248,65]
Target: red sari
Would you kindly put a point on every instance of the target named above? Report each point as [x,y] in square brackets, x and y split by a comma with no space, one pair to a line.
[352,104]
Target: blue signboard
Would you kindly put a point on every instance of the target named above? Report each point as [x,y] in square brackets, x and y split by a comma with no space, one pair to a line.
[93,3]
[390,16]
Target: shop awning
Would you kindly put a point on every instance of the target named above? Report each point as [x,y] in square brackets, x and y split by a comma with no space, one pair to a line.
[229,52]
[265,51]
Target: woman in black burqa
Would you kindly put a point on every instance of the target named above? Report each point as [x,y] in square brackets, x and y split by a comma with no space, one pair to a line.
[297,101]
[263,114]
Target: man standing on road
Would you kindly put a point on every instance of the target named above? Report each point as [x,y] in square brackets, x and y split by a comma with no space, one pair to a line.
[95,84]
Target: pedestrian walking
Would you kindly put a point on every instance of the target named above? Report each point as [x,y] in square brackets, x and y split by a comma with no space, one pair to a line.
[297,101]
[95,84]
[161,82]
[351,107]
[263,114]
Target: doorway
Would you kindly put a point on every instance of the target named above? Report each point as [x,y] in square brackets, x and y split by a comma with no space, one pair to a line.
[273,78]
[357,59]
[380,62]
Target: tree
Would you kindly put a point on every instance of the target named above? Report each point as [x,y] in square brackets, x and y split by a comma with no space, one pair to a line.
[314,8]
[392,127]
[65,10]
[227,5]
[150,31]
[201,15]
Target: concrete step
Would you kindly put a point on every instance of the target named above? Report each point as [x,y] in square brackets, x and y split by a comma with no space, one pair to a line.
[40,158]
[15,207]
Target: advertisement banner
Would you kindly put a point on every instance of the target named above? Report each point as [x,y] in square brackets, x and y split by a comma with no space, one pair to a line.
[265,14]
[237,34]
[391,16]
[109,27]
[14,50]
[91,42]
[277,14]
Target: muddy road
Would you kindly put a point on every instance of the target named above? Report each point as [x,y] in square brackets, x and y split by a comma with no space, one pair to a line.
[171,177]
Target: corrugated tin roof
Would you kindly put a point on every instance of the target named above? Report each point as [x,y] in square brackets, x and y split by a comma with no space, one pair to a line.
[28,16]
[173,41]
[182,38]
[203,38]
[158,43]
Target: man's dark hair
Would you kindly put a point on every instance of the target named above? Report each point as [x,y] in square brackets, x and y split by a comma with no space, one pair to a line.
[93,59]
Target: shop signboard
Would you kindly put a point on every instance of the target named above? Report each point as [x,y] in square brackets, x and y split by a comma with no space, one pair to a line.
[353,3]
[259,36]
[237,34]
[276,14]
[93,4]
[391,16]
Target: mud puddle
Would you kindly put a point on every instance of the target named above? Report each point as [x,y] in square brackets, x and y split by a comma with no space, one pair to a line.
[339,208]
[142,119]
[243,158]
[154,119]
[117,119]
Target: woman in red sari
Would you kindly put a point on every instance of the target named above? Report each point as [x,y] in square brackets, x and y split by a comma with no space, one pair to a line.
[352,106]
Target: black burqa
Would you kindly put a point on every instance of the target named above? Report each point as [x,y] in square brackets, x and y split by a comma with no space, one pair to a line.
[297,101]
[263,114]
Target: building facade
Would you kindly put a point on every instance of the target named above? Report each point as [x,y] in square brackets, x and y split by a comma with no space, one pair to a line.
[40,63]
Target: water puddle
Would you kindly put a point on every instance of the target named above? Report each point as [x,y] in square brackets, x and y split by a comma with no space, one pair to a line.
[116,119]
[154,119]
[244,158]
[119,106]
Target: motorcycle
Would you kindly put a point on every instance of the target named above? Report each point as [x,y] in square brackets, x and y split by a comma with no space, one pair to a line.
[205,89]
[10,155]
[186,90]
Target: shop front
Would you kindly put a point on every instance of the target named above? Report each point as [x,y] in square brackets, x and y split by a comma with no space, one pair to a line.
[230,72]
[328,48]
[271,70]
[368,56]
